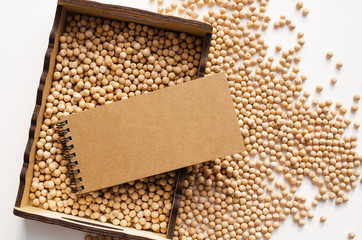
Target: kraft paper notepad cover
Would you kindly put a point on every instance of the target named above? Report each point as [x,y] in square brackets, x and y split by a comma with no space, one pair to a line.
[154,133]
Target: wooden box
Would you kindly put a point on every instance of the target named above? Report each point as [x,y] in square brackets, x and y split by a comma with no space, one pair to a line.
[23,207]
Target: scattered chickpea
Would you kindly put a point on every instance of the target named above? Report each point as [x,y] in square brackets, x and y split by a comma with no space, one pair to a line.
[194,15]
[292,26]
[338,105]
[305,11]
[319,88]
[333,80]
[181,9]
[356,97]
[351,235]
[343,110]
[168,9]
[339,65]
[200,3]
[329,54]
[323,219]
[160,9]
[354,108]
[174,5]
[299,5]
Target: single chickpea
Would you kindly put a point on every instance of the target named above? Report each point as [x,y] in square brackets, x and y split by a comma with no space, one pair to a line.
[329,54]
[339,65]
[333,80]
[351,235]
[323,218]
[299,5]
[343,110]
[319,88]
[354,108]
[181,9]
[160,9]
[305,12]
[174,5]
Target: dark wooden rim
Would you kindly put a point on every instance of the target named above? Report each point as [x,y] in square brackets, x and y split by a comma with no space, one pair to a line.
[205,52]
[176,203]
[39,96]
[182,172]
[31,135]
[129,10]
[76,226]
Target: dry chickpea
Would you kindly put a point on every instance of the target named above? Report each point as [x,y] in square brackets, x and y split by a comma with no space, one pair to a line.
[181,9]
[343,110]
[339,65]
[278,47]
[354,108]
[351,235]
[338,105]
[305,11]
[319,88]
[323,218]
[160,9]
[174,5]
[299,5]
[329,54]
[333,80]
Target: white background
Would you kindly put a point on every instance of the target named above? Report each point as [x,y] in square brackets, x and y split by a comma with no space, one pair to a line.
[25,27]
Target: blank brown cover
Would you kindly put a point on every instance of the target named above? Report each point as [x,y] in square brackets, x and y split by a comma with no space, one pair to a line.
[155,133]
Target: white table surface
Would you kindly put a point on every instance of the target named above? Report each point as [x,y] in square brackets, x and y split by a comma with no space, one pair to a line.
[25,27]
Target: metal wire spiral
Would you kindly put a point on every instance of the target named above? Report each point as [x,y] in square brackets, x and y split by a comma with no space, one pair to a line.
[68,156]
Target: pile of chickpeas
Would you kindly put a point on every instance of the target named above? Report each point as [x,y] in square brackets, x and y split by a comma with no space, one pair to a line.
[101,61]
[285,133]
[234,197]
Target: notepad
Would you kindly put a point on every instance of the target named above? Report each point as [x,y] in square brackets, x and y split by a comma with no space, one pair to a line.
[150,134]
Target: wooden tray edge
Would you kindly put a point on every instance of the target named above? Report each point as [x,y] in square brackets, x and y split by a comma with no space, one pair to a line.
[153,15]
[35,115]
[75,226]
[182,172]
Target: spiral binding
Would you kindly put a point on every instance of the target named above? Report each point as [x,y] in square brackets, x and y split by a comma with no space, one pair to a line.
[68,156]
